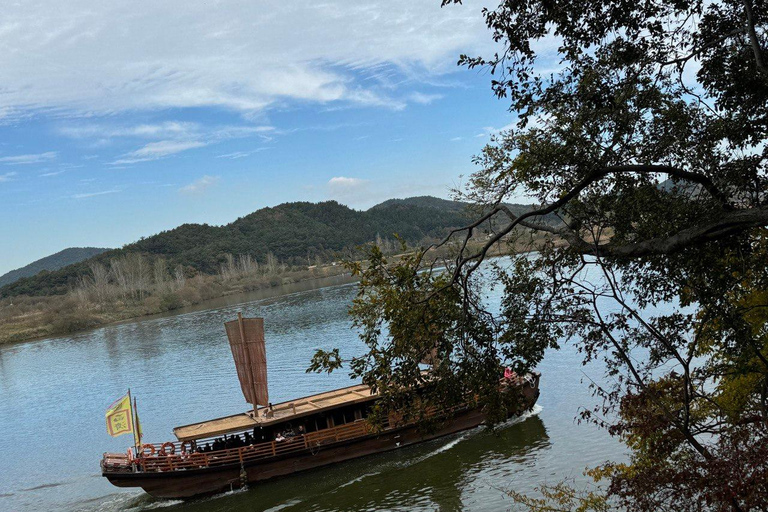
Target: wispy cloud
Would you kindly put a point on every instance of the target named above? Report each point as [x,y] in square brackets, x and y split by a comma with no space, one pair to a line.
[156,150]
[241,154]
[201,185]
[166,129]
[28,159]
[489,131]
[7,176]
[53,173]
[94,194]
[171,137]
[244,58]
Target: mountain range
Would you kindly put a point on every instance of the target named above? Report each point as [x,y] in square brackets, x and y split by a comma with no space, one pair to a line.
[53,262]
[298,233]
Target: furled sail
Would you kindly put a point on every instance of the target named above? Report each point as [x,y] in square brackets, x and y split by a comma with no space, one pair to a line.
[246,339]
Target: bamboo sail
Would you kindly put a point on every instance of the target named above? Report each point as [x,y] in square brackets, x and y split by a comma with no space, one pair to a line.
[246,339]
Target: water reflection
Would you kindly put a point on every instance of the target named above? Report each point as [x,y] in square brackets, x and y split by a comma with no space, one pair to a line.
[444,474]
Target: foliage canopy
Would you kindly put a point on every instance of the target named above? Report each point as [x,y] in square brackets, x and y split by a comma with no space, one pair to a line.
[643,126]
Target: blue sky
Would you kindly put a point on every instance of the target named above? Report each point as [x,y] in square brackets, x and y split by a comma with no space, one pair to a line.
[118,121]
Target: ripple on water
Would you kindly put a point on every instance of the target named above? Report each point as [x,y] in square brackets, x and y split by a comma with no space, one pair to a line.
[180,369]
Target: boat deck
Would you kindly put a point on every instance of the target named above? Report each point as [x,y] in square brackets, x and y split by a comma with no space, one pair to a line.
[284,411]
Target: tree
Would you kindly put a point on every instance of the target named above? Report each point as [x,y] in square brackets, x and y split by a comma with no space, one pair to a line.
[648,142]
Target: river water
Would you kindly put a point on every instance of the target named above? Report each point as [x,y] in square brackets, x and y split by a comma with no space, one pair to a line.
[53,394]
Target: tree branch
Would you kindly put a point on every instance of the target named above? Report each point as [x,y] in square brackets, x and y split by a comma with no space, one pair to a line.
[753,40]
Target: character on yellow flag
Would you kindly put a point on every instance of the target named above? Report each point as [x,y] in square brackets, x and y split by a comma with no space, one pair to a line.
[120,417]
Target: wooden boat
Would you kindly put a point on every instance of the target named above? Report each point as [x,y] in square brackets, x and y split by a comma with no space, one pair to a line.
[323,429]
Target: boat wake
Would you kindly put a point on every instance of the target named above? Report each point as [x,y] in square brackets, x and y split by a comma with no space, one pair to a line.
[158,504]
[355,480]
[282,506]
[117,502]
[535,410]
[469,433]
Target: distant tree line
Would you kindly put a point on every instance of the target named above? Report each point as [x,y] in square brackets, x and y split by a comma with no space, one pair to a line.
[295,234]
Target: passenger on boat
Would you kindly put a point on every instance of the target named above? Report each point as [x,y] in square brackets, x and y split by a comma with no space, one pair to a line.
[301,430]
[280,438]
[258,434]
[510,376]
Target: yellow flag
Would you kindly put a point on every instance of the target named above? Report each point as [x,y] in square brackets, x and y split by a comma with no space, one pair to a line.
[120,417]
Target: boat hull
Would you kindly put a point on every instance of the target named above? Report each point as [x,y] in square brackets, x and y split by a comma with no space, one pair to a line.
[204,481]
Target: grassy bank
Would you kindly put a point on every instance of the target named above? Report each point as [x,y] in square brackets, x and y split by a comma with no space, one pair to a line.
[133,286]
[86,307]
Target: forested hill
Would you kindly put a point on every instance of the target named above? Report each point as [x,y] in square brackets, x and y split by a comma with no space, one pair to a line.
[295,233]
[457,206]
[52,262]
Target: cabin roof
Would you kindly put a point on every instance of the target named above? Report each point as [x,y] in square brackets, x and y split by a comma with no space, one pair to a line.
[284,411]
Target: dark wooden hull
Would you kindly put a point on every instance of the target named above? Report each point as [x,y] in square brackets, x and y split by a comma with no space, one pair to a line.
[203,481]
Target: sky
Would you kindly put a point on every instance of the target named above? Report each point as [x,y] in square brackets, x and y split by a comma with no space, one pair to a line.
[122,119]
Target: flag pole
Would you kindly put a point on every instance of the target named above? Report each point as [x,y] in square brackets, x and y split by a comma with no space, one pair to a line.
[136,427]
[133,421]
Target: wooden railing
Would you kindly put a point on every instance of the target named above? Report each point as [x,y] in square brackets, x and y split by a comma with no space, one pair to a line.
[123,462]
[307,442]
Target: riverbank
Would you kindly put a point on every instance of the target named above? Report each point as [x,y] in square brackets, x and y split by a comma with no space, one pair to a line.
[33,318]
[100,301]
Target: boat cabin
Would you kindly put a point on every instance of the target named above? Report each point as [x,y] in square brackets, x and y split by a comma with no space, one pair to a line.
[306,415]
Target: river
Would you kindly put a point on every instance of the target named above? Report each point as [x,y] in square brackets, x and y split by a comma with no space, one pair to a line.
[53,394]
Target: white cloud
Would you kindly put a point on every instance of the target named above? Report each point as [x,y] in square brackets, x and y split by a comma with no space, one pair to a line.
[340,182]
[160,130]
[490,131]
[241,154]
[200,185]
[424,99]
[53,173]
[106,57]
[343,188]
[167,138]
[155,150]
[7,176]
[28,159]
[170,130]
[94,194]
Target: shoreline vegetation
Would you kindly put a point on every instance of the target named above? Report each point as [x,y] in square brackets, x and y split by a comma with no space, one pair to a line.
[135,286]
[194,263]
[96,303]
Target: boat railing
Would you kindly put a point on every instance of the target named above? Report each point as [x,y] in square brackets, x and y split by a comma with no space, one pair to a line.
[177,461]
[161,458]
